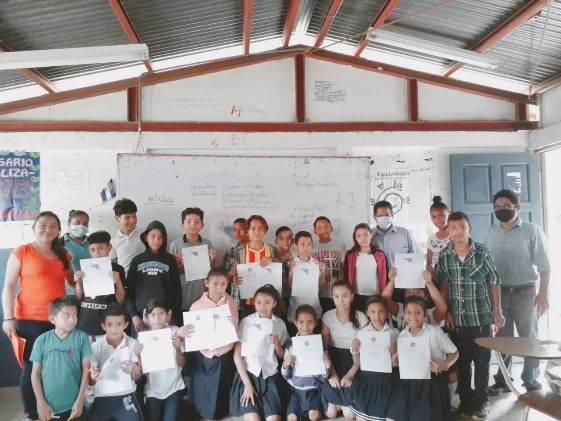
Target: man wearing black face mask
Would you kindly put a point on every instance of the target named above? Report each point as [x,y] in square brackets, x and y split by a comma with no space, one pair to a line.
[520,253]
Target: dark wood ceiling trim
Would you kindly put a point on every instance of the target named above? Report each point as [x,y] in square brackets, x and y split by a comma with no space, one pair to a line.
[383,126]
[290,22]
[422,77]
[500,32]
[333,9]
[127,26]
[300,91]
[379,21]
[412,99]
[247,24]
[33,74]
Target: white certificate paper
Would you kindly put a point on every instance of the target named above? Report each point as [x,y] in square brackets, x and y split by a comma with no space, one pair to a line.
[410,267]
[374,353]
[157,352]
[196,262]
[213,328]
[112,379]
[97,276]
[255,340]
[305,278]
[255,276]
[414,357]
[309,355]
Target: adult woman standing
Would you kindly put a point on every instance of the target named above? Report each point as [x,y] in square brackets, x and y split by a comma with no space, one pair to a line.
[40,268]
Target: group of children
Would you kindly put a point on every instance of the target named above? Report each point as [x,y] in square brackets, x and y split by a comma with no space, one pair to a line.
[356,291]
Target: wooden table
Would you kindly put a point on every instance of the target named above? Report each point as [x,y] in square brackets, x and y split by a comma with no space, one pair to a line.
[546,402]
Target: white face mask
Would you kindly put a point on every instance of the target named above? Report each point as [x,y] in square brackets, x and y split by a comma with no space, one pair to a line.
[78,230]
[384,222]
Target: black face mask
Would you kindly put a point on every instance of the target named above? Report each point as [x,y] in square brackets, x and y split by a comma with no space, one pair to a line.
[505,215]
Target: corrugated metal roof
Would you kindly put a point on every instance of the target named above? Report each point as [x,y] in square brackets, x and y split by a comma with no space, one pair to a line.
[178,28]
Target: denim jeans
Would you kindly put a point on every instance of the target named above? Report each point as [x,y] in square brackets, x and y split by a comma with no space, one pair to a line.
[471,352]
[29,330]
[164,409]
[519,310]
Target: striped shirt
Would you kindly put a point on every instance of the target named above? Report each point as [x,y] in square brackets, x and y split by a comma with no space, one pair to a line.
[469,284]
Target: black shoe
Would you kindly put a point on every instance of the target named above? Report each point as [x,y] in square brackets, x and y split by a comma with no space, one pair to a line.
[497,389]
[533,385]
[464,410]
[481,412]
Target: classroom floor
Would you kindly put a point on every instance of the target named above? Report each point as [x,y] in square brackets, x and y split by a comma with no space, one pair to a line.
[503,407]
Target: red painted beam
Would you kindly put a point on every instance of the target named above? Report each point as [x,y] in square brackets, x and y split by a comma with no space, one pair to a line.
[33,74]
[521,111]
[379,21]
[384,126]
[412,100]
[127,26]
[132,104]
[290,22]
[300,78]
[247,24]
[333,9]
[500,32]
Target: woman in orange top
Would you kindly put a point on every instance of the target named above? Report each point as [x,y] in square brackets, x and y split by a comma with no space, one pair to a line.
[41,269]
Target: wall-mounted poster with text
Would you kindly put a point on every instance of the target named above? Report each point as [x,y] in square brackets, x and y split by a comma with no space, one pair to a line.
[19,185]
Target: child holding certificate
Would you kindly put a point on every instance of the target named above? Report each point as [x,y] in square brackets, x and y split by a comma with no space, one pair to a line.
[212,371]
[256,391]
[340,327]
[305,400]
[373,385]
[417,398]
[365,266]
[164,387]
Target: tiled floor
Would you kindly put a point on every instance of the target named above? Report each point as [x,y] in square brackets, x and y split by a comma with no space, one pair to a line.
[503,407]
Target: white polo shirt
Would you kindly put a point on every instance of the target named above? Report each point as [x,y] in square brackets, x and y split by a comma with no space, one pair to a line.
[125,247]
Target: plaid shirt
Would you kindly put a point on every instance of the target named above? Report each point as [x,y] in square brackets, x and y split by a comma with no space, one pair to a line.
[469,284]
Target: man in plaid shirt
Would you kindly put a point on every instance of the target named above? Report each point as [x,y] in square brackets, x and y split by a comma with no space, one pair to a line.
[470,285]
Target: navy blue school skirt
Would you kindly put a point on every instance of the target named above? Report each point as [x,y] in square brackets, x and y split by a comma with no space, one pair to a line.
[301,402]
[210,382]
[371,393]
[268,402]
[342,361]
[420,400]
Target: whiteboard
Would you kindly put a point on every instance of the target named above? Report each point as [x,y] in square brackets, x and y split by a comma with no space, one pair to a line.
[284,190]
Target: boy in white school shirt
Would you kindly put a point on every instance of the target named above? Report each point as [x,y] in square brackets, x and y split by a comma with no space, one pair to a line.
[126,244]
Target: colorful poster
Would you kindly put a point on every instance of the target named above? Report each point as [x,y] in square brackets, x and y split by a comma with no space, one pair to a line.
[19,185]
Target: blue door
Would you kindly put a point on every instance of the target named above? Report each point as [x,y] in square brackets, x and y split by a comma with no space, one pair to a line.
[475,178]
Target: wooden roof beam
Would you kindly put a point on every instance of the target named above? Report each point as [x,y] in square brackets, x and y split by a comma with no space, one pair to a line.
[247,24]
[33,74]
[128,28]
[333,9]
[500,32]
[379,21]
[290,22]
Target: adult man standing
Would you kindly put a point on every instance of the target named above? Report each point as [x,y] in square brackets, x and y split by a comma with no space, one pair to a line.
[520,252]
[391,239]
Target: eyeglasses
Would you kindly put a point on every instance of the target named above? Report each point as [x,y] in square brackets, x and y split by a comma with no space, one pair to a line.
[508,206]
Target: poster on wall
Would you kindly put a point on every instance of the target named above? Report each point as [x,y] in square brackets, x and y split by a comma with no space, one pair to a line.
[392,185]
[19,185]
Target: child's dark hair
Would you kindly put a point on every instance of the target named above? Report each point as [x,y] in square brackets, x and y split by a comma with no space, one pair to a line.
[240,221]
[192,211]
[376,299]
[322,218]
[305,309]
[383,204]
[257,218]
[75,213]
[57,245]
[282,229]
[356,246]
[415,299]
[114,309]
[99,237]
[65,301]
[507,194]
[352,314]
[458,216]
[124,207]
[216,272]
[302,234]
[157,303]
[437,203]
